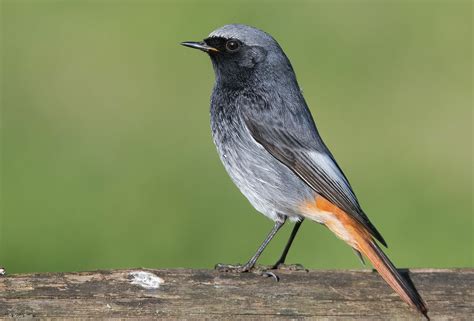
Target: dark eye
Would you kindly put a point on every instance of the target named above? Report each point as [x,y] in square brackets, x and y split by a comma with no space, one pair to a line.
[232,45]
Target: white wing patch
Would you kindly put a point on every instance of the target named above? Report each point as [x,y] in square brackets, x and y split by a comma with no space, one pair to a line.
[328,166]
[325,162]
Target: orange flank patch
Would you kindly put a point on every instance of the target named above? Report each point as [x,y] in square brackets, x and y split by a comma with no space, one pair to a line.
[339,222]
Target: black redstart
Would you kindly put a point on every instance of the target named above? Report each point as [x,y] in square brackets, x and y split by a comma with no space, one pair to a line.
[268,142]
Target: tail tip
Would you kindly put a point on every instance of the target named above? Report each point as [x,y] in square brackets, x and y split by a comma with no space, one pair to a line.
[421,307]
[425,314]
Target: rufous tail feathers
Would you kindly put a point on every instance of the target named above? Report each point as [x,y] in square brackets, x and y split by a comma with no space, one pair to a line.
[353,232]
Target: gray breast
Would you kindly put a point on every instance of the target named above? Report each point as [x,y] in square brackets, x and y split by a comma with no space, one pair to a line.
[269,185]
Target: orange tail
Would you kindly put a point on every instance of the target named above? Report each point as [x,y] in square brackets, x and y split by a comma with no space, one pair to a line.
[354,233]
[391,275]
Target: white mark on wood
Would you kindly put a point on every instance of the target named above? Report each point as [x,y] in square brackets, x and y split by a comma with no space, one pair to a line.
[146,280]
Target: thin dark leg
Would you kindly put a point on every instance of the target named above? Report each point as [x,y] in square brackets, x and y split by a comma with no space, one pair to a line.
[251,263]
[288,244]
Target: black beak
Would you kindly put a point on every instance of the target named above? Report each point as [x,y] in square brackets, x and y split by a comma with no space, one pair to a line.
[199,45]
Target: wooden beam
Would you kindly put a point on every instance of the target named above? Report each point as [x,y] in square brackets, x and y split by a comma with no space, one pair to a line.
[196,294]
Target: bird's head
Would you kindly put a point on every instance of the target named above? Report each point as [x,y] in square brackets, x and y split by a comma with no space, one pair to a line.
[241,54]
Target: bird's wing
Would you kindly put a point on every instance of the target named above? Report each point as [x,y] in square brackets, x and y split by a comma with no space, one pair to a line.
[307,156]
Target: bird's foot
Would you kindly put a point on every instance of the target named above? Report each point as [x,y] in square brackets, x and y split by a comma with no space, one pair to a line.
[289,267]
[232,268]
[238,268]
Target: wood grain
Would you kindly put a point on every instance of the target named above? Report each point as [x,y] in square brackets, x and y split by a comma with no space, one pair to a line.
[198,294]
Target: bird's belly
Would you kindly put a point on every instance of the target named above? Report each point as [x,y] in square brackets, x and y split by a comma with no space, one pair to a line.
[270,186]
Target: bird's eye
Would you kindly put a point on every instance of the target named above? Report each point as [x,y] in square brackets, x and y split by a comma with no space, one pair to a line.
[232,45]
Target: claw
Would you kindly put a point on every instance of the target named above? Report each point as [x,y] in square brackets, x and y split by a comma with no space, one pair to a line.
[233,268]
[238,268]
[271,274]
[289,267]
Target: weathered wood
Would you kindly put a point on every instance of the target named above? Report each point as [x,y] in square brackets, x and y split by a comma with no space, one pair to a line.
[197,294]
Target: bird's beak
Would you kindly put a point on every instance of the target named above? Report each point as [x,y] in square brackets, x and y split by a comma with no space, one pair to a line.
[199,45]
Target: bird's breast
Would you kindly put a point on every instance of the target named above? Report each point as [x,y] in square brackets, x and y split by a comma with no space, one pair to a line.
[268,184]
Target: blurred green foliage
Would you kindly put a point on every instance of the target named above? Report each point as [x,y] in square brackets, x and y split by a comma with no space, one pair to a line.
[107,160]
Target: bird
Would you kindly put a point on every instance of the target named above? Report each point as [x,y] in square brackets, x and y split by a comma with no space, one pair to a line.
[269,144]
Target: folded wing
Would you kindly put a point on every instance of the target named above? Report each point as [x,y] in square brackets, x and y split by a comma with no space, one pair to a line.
[308,157]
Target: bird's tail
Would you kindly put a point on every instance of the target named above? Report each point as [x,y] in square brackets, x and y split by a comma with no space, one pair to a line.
[357,236]
[390,274]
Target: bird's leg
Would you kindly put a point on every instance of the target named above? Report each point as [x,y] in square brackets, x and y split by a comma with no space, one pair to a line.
[251,263]
[280,263]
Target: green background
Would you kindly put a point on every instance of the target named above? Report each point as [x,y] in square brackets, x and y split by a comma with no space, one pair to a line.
[107,159]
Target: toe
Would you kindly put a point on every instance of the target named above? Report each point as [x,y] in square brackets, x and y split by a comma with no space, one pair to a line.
[271,274]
